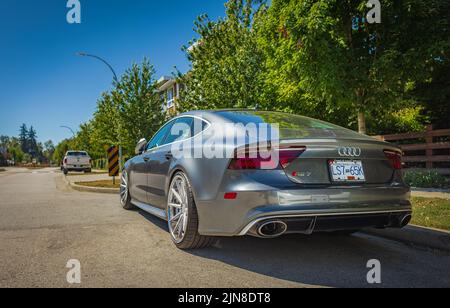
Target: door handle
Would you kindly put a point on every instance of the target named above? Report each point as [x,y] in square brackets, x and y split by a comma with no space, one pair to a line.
[146,159]
[169,155]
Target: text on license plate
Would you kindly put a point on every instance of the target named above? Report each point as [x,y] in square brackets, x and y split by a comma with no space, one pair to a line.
[347,171]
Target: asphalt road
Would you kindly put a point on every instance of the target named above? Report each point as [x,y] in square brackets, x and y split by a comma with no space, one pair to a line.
[43,224]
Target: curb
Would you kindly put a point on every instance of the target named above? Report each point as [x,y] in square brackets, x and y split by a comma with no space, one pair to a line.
[415,235]
[431,193]
[91,189]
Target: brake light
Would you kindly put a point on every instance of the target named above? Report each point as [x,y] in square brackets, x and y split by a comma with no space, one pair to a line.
[395,158]
[285,157]
[230,196]
[65,160]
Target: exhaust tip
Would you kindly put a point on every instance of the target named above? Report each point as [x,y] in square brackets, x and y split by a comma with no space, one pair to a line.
[405,220]
[272,229]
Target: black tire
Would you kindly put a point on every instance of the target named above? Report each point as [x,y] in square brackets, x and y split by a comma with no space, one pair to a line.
[88,171]
[65,171]
[192,239]
[127,205]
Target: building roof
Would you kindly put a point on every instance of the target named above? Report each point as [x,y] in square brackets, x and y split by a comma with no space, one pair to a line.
[165,83]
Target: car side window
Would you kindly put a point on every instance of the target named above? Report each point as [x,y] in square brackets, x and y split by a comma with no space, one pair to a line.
[158,139]
[198,126]
[180,130]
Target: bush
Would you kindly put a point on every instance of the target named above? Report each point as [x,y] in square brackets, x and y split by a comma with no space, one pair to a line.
[426,179]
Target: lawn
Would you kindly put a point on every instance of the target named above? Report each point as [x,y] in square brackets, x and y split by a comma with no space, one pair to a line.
[102,183]
[432,213]
[82,173]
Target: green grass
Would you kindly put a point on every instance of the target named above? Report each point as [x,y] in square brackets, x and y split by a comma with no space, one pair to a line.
[87,174]
[101,184]
[431,213]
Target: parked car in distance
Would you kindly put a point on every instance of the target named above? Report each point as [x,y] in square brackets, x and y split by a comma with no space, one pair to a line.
[77,161]
[327,179]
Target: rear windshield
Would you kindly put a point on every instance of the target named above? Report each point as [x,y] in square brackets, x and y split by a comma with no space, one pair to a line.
[77,154]
[291,126]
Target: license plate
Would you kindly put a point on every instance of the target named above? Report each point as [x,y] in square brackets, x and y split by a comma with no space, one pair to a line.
[347,171]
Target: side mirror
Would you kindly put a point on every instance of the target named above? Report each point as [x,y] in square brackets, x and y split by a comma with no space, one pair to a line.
[140,147]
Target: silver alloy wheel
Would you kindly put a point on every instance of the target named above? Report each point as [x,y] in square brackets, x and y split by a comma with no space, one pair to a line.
[123,188]
[177,208]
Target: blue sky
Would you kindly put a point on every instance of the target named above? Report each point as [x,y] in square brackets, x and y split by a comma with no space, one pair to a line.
[43,83]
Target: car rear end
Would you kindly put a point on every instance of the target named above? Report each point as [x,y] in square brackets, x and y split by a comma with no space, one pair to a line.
[77,161]
[331,179]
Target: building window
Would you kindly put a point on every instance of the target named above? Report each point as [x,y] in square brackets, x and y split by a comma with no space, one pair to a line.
[170,98]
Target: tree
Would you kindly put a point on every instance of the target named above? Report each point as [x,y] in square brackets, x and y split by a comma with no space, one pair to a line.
[61,150]
[434,94]
[226,62]
[324,52]
[140,112]
[33,148]
[15,150]
[49,150]
[104,123]
[23,138]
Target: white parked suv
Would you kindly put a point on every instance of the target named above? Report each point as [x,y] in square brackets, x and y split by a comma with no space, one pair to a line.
[78,161]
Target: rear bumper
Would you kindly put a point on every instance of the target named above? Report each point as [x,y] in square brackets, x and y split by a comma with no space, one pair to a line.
[308,224]
[332,208]
[77,168]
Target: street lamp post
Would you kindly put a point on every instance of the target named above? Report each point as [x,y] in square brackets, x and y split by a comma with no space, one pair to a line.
[116,80]
[72,131]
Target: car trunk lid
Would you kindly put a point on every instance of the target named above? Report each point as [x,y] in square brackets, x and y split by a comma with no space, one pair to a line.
[313,165]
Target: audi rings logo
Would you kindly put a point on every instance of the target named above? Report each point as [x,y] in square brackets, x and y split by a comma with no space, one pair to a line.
[349,151]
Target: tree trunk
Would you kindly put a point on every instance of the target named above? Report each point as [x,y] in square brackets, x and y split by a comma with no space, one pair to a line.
[362,122]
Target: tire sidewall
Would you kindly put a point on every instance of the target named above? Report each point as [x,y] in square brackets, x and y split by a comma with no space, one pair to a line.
[127,205]
[191,227]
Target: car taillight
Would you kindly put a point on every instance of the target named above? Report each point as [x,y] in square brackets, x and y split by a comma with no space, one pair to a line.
[395,158]
[65,160]
[285,157]
[288,155]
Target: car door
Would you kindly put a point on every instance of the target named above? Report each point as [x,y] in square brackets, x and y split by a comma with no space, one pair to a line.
[161,159]
[141,167]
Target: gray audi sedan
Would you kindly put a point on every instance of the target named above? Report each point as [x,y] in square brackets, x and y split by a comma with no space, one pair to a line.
[265,174]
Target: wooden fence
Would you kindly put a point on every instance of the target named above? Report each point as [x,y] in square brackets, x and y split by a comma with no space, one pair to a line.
[421,149]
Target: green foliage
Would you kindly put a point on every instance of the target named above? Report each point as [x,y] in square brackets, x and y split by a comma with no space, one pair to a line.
[140,108]
[406,119]
[25,148]
[315,55]
[310,57]
[425,179]
[226,61]
[61,150]
[434,94]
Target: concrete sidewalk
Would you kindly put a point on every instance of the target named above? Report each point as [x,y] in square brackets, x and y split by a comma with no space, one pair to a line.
[431,193]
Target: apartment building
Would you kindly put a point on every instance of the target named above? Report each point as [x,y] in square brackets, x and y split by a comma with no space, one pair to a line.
[169,90]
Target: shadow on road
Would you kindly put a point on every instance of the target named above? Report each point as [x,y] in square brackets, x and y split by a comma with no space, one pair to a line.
[323,259]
